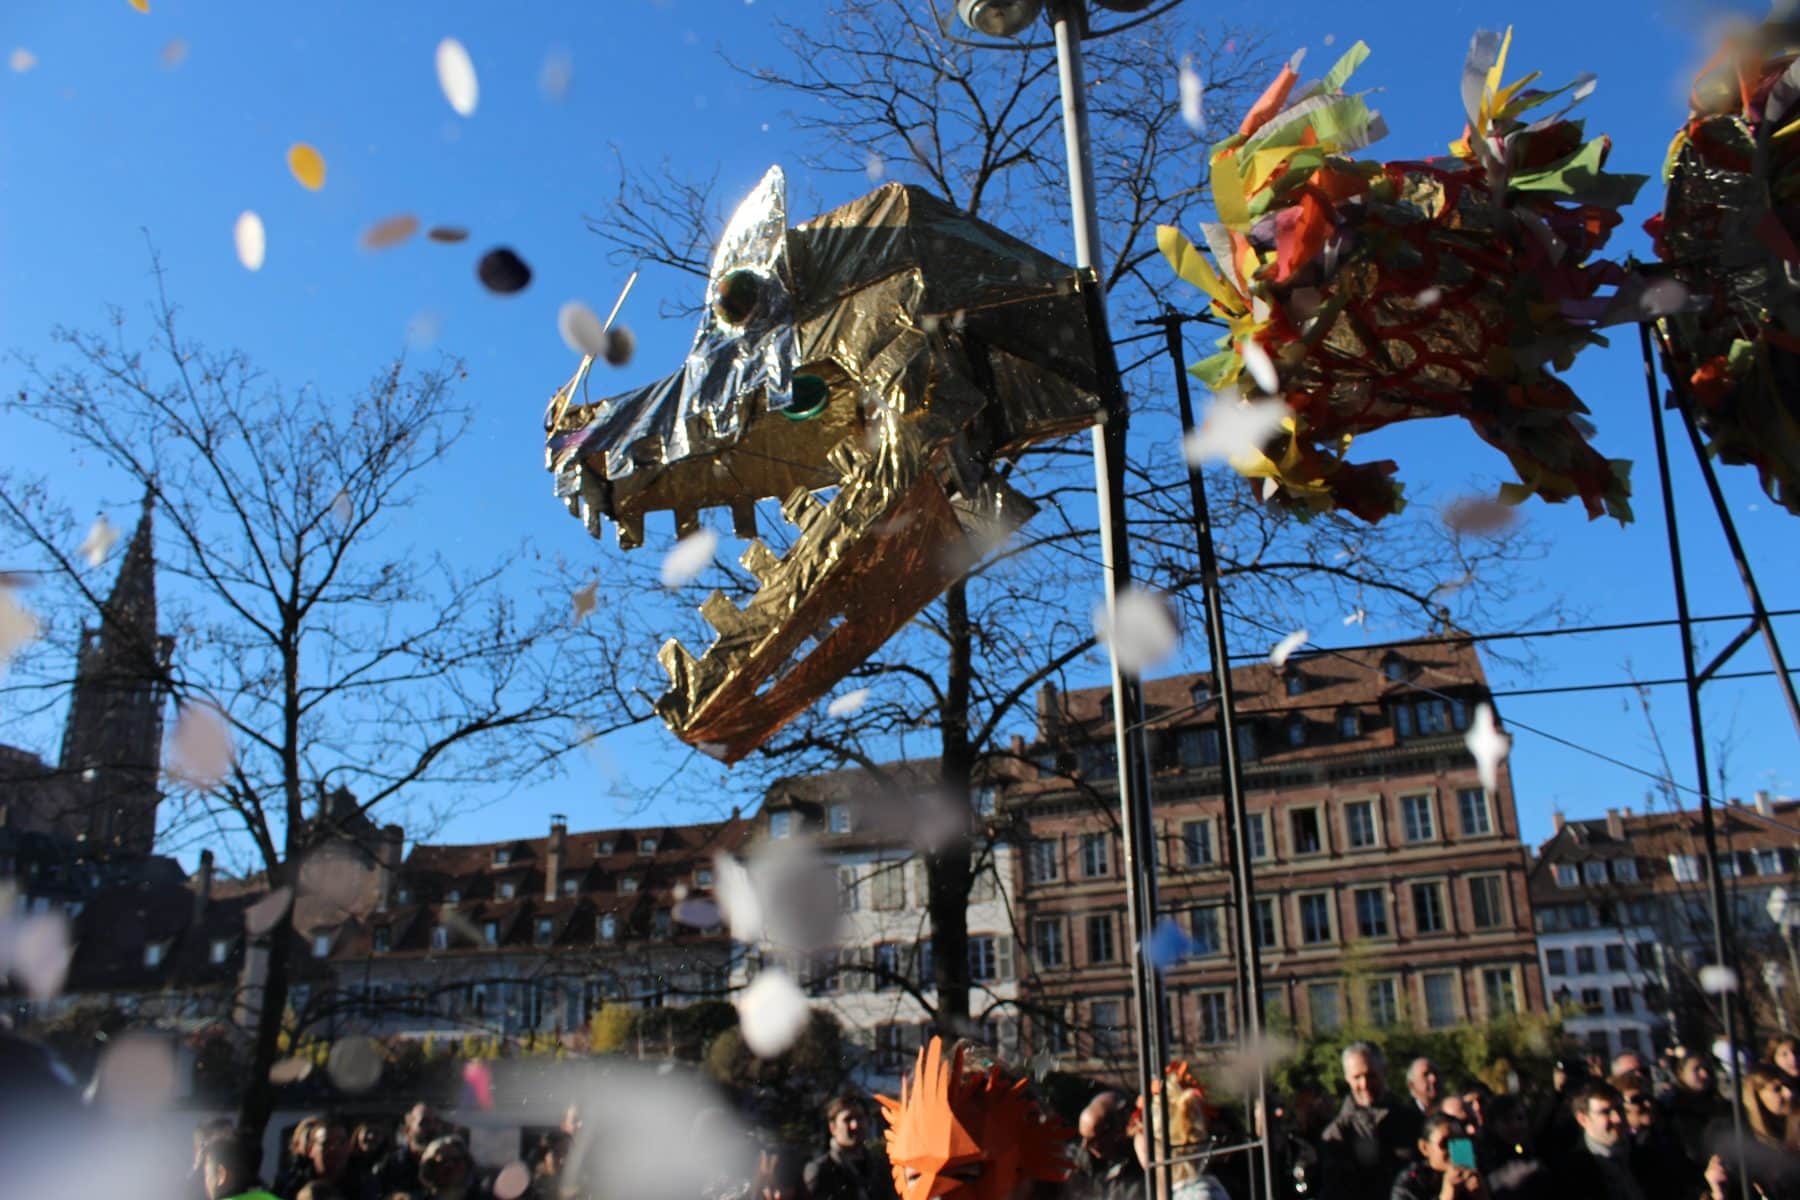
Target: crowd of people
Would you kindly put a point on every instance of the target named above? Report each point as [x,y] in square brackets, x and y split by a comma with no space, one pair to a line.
[1631,1129]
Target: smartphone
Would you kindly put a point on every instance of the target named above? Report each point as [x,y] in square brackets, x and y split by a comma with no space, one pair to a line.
[1462,1152]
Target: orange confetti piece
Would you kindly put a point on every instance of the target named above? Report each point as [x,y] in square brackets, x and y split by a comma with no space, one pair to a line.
[390,232]
[307,166]
[142,6]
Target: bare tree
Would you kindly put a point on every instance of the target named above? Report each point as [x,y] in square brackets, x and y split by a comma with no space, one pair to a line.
[884,90]
[335,656]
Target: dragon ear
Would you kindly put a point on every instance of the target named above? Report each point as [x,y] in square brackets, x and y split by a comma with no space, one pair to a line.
[754,235]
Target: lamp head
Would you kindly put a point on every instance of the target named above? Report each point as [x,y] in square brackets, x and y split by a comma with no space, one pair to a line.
[998,18]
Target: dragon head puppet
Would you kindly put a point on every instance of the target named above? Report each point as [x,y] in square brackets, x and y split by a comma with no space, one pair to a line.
[873,370]
[970,1133]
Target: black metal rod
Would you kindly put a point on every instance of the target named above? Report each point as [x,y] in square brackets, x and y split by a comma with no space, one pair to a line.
[1731,648]
[1237,825]
[1715,878]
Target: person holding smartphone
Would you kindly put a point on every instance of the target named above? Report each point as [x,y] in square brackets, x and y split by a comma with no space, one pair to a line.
[1445,1169]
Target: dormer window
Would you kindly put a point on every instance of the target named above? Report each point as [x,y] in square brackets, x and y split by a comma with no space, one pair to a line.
[508,889]
[502,856]
[440,938]
[546,928]
[453,896]
[220,951]
[569,885]
[321,945]
[605,847]
[1295,683]
[403,896]
[490,932]
[1393,668]
[384,938]
[609,927]
[1296,731]
[781,824]
[647,846]
[659,923]
[703,877]
[1349,724]
[1201,693]
[838,818]
[628,884]
[153,953]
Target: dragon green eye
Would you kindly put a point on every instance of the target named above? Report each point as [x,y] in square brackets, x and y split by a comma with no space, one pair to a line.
[736,297]
[811,394]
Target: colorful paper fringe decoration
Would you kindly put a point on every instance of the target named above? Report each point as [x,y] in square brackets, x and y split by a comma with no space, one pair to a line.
[1728,232]
[1384,292]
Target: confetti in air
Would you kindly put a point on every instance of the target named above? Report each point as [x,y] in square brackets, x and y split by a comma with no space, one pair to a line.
[586,599]
[503,272]
[251,242]
[174,53]
[581,330]
[848,703]
[307,166]
[1284,649]
[1356,616]
[1488,744]
[1167,944]
[874,166]
[1717,981]
[513,1181]
[1233,426]
[34,949]
[554,76]
[1140,629]
[690,556]
[142,6]
[18,628]
[102,535]
[1193,96]
[355,1063]
[1479,515]
[449,235]
[772,1012]
[389,232]
[136,1075]
[260,917]
[738,899]
[200,750]
[341,511]
[21,60]
[1260,366]
[456,76]
[698,912]
[621,344]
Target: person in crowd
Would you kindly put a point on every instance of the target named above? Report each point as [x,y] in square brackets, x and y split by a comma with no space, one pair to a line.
[571,1120]
[399,1172]
[1770,1154]
[368,1146]
[204,1132]
[1694,1104]
[329,1156]
[1423,1084]
[849,1169]
[1106,1167]
[1457,1109]
[1599,1167]
[1189,1133]
[297,1172]
[447,1171]
[1374,1134]
[1784,1056]
[1628,1062]
[1434,1176]
[551,1157]
[1476,1098]
[230,1168]
[1656,1156]
[1511,1168]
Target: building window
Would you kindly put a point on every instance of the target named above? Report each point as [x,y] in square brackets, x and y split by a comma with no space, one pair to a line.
[1556,962]
[604,846]
[1296,731]
[221,949]
[887,966]
[1393,668]
[838,818]
[781,824]
[1768,861]
[1440,1000]
[1303,825]
[1433,716]
[1615,957]
[1567,875]
[1246,740]
[1203,928]
[1107,1019]
[1359,824]
[1322,1006]
[984,963]
[1042,863]
[1100,938]
[1645,953]
[609,927]
[890,1046]
[1591,1002]
[490,933]
[1428,907]
[1197,844]
[1267,935]
[153,953]
[1584,960]
[983,886]
[647,845]
[502,856]
[628,884]
[1256,827]
[1624,870]
[1349,724]
[1472,806]
[1215,1017]
[1294,681]
[383,941]
[543,931]
[1384,1003]
[321,946]
[1096,857]
[403,896]
[1622,1000]
[1416,818]
[571,885]
[1500,991]
[453,896]
[1315,918]
[1198,747]
[508,889]
[1594,870]
[1685,867]
[440,938]
[1629,1040]
[1371,912]
[849,889]
[887,887]
[1487,909]
[1047,943]
[1403,725]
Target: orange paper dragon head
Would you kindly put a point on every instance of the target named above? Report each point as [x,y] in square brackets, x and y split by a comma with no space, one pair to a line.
[974,1135]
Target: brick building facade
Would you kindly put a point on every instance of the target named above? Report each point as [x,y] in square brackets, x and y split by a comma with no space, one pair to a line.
[1391,887]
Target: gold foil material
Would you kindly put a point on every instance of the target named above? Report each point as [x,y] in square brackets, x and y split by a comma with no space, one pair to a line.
[947,346]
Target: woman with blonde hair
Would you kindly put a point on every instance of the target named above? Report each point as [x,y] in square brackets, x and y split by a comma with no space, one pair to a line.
[1772,1136]
[1189,1133]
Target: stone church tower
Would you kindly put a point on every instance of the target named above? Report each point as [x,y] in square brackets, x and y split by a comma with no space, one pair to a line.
[112,745]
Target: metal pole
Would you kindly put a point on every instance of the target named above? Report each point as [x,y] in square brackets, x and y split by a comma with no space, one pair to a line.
[1714,877]
[1237,825]
[1115,557]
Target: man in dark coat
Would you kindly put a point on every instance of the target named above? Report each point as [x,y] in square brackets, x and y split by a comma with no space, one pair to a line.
[1599,1166]
[1106,1168]
[849,1169]
[1374,1135]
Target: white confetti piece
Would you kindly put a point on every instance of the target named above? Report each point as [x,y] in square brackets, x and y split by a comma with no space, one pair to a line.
[1260,365]
[585,599]
[1284,649]
[18,627]
[690,556]
[555,75]
[136,1075]
[1488,744]
[580,329]
[341,511]
[1233,427]
[1429,297]
[173,54]
[1356,616]
[21,60]
[772,1012]
[1140,629]
[738,898]
[251,242]
[698,912]
[456,76]
[513,1181]
[290,1070]
[1270,486]
[1717,981]
[101,537]
[1193,95]
[355,1063]
[200,750]
[848,703]
[260,917]
[874,166]
[36,952]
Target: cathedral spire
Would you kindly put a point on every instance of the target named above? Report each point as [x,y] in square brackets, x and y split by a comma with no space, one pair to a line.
[131,608]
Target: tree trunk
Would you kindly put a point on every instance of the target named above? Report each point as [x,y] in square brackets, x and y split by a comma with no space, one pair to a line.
[259,1094]
[948,867]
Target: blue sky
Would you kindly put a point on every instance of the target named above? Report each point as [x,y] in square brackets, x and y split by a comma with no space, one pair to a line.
[101,141]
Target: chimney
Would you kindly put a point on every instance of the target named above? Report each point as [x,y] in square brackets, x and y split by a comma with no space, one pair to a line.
[559,838]
[387,862]
[1615,825]
[1556,819]
[1049,710]
[1764,804]
[203,886]
[1017,745]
